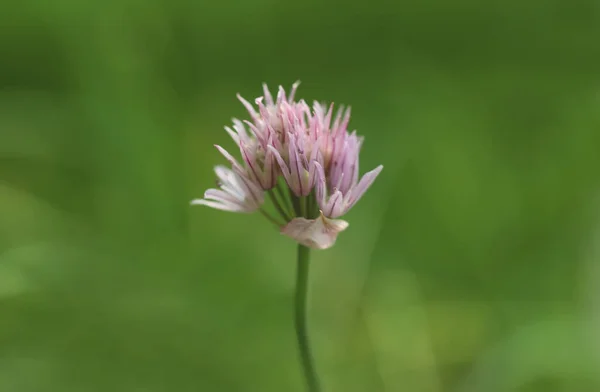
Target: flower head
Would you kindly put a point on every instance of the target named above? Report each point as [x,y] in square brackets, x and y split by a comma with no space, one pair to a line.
[312,152]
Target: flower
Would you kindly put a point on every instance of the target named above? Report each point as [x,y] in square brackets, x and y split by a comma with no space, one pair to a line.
[317,158]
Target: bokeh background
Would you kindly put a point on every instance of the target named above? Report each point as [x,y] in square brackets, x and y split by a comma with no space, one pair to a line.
[470,266]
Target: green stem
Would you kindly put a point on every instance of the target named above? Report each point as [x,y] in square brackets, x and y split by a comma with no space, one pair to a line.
[278,207]
[308,366]
[286,201]
[302,202]
[270,218]
[296,203]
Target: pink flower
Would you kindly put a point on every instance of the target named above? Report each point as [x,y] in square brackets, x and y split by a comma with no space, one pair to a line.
[316,157]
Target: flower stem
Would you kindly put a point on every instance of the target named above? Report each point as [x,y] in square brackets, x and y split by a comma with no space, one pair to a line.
[297,204]
[308,366]
[278,207]
[286,202]
[270,218]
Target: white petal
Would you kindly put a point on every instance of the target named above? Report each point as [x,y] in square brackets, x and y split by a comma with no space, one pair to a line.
[320,233]
[236,194]
[220,205]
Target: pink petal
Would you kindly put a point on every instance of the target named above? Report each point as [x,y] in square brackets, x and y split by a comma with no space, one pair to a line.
[248,107]
[218,195]
[269,169]
[282,165]
[295,168]
[314,156]
[293,90]
[252,189]
[241,130]
[220,205]
[251,162]
[268,96]
[321,186]
[231,159]
[233,135]
[365,182]
[327,119]
[335,205]
[280,96]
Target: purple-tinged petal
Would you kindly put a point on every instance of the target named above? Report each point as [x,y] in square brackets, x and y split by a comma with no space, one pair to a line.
[280,96]
[268,96]
[365,182]
[282,165]
[314,158]
[219,195]
[250,160]
[346,119]
[293,90]
[219,205]
[350,165]
[231,159]
[338,118]
[340,180]
[234,135]
[320,233]
[248,107]
[321,186]
[334,205]
[252,189]
[269,168]
[327,119]
[237,193]
[241,130]
[295,167]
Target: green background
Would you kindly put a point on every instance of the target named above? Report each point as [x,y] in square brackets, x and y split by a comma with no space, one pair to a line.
[469,266]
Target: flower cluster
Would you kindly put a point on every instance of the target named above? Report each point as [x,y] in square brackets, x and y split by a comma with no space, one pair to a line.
[309,152]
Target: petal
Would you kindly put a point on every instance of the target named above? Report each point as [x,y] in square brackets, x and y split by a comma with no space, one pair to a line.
[320,233]
[250,160]
[231,159]
[221,205]
[335,206]
[365,182]
[295,167]
[280,96]
[269,169]
[282,165]
[237,189]
[268,96]
[293,90]
[350,165]
[241,130]
[233,135]
[314,158]
[321,186]
[327,119]
[262,134]
[222,195]
[252,190]
[248,107]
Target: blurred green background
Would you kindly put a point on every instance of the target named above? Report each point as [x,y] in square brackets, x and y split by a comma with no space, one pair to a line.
[471,265]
